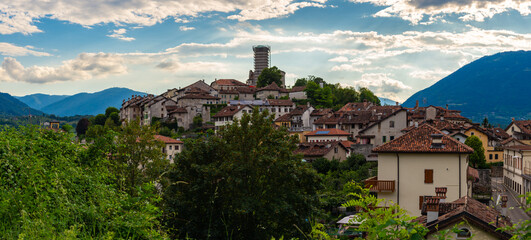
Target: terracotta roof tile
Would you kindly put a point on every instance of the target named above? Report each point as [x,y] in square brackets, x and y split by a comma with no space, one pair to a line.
[328,132]
[524,125]
[229,111]
[298,89]
[280,102]
[316,149]
[199,96]
[272,87]
[229,82]
[420,140]
[167,140]
[499,132]
[356,106]
[284,118]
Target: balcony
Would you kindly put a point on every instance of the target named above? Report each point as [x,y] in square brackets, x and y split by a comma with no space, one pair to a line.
[527,171]
[376,185]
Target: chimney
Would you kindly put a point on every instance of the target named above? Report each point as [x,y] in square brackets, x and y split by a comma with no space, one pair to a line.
[417,104]
[432,209]
[397,103]
[436,141]
[446,106]
[504,205]
[440,192]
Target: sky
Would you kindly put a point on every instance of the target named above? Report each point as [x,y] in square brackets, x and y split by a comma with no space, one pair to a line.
[393,47]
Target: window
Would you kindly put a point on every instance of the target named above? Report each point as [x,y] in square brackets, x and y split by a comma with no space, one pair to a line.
[464,233]
[170,147]
[472,133]
[391,124]
[391,138]
[428,175]
[176,147]
[384,139]
[490,156]
[495,156]
[335,150]
[421,200]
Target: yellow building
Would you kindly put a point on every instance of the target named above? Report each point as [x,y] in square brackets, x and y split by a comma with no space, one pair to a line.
[491,153]
[284,121]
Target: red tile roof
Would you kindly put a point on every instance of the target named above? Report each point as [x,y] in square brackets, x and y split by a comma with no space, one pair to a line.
[524,125]
[298,89]
[167,140]
[316,149]
[284,118]
[280,102]
[346,144]
[328,132]
[420,140]
[229,111]
[199,96]
[356,106]
[176,109]
[499,132]
[229,82]
[519,147]
[272,87]
[473,211]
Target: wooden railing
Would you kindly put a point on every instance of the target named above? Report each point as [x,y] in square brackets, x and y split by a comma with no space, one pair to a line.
[376,185]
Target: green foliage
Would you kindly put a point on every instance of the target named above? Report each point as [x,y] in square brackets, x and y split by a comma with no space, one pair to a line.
[268,76]
[82,126]
[115,117]
[47,191]
[477,158]
[301,82]
[111,110]
[386,222]
[366,94]
[197,121]
[245,183]
[99,120]
[67,128]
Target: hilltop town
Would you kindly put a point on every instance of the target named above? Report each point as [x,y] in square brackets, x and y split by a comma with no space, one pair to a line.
[426,160]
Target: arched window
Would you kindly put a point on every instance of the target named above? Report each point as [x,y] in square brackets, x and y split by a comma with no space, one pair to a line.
[464,233]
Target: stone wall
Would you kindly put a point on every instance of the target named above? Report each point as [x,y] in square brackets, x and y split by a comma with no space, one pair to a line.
[496,171]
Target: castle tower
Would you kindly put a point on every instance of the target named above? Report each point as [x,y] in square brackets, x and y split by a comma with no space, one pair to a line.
[261,61]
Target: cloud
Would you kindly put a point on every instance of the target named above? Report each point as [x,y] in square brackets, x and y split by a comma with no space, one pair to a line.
[185,28]
[19,16]
[339,59]
[85,66]
[381,84]
[9,49]
[119,34]
[274,9]
[415,11]
[430,75]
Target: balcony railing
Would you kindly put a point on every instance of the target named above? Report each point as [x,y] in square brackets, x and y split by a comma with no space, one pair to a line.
[376,185]
[527,171]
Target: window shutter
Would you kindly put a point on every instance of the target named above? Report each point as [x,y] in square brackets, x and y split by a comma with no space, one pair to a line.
[421,200]
[428,175]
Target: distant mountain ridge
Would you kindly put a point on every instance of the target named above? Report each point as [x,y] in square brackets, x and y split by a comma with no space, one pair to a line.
[387,101]
[10,106]
[496,86]
[39,100]
[81,103]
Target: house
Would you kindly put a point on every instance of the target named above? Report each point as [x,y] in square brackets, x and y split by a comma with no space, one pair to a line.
[228,114]
[226,95]
[278,107]
[386,129]
[133,107]
[409,167]
[459,136]
[327,135]
[318,113]
[520,130]
[419,114]
[199,87]
[472,217]
[246,93]
[490,142]
[329,150]
[298,93]
[156,107]
[356,106]
[296,120]
[172,146]
[517,169]
[271,91]
[227,84]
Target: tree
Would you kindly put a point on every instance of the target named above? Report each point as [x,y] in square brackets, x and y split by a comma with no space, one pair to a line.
[67,128]
[486,123]
[139,158]
[115,117]
[82,126]
[100,119]
[197,121]
[301,82]
[245,183]
[268,76]
[111,110]
[366,94]
[477,158]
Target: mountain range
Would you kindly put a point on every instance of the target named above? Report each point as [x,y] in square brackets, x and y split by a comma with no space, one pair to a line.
[78,104]
[496,87]
[10,106]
